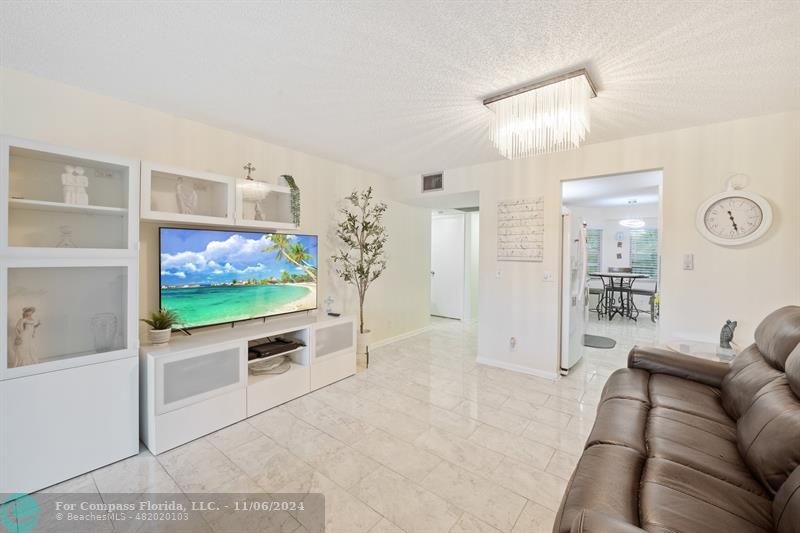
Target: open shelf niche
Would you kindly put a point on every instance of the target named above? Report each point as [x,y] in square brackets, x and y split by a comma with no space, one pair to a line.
[61,199]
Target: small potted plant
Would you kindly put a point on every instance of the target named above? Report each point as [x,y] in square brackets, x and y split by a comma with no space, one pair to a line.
[161,323]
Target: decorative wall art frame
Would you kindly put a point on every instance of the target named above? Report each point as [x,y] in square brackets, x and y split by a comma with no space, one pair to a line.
[520,230]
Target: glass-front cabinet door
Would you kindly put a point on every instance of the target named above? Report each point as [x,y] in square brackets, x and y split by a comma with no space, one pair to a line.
[66,316]
[62,199]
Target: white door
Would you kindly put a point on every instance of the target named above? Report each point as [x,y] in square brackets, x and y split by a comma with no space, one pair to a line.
[574,299]
[447,266]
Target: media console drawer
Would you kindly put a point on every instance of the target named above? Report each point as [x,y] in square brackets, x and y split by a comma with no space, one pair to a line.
[265,392]
[332,368]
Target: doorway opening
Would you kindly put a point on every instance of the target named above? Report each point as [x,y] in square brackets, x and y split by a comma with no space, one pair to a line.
[454,263]
[611,290]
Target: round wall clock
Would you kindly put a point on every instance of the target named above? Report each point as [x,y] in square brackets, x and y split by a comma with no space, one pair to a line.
[734,217]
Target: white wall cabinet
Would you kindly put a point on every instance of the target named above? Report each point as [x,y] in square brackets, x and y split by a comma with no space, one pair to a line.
[212,199]
[208,198]
[38,211]
[69,307]
[199,384]
[263,205]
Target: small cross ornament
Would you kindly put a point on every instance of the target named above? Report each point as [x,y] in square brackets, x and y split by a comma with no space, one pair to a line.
[249,168]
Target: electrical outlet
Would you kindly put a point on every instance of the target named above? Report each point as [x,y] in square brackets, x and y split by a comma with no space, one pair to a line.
[548,276]
[512,342]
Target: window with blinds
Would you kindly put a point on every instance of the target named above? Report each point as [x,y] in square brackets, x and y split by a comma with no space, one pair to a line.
[594,249]
[644,251]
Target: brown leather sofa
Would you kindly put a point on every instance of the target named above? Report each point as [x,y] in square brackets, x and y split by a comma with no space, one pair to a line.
[682,444]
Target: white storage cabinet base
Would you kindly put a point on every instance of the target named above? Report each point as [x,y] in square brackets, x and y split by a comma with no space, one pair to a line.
[59,425]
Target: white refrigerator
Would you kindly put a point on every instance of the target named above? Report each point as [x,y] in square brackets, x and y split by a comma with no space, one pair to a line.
[574,296]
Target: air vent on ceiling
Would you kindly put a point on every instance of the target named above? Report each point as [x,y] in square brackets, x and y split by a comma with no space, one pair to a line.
[433,182]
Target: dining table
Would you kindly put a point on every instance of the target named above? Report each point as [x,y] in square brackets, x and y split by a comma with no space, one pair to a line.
[617,298]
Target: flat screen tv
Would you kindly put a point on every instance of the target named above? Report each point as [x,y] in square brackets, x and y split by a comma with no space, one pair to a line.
[212,277]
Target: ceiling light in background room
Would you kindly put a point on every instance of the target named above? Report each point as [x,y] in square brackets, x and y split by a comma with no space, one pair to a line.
[632,221]
[551,115]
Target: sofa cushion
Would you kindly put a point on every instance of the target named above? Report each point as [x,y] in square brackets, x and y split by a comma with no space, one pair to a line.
[786,506]
[678,498]
[778,334]
[769,434]
[688,396]
[748,374]
[629,383]
[606,480]
[793,370]
[620,421]
[701,444]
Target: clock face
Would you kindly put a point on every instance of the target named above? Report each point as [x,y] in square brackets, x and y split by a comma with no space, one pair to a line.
[733,217]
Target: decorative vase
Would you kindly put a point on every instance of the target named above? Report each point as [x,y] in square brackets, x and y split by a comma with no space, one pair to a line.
[159,336]
[363,341]
[104,327]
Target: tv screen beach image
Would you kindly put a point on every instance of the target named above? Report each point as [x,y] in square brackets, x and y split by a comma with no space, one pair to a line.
[212,277]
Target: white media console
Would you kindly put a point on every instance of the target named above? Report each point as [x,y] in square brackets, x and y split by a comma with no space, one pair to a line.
[198,384]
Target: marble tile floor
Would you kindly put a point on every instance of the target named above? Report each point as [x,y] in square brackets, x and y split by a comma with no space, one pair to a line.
[424,441]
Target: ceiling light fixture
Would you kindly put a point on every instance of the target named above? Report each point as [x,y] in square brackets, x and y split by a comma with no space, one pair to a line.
[551,115]
[633,223]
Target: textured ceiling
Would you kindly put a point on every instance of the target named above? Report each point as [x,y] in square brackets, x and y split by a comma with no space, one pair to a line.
[396,86]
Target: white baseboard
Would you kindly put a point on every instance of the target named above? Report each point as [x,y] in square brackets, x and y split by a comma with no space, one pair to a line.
[397,338]
[488,361]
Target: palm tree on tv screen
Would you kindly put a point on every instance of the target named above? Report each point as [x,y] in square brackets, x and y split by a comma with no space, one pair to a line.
[295,253]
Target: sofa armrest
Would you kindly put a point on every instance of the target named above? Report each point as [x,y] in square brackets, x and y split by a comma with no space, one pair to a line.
[665,361]
[596,522]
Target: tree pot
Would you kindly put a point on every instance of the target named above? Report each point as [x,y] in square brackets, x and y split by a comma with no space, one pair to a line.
[159,336]
[363,341]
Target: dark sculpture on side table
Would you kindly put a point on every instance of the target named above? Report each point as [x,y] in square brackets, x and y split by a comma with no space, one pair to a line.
[726,335]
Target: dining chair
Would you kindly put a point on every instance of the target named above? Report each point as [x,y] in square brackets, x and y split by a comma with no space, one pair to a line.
[623,287]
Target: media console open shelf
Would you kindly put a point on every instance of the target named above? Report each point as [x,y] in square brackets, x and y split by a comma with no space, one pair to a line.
[200,383]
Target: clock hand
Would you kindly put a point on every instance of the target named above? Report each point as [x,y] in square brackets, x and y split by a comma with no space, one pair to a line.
[735,227]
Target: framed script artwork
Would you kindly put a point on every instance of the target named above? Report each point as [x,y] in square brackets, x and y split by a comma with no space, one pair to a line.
[520,230]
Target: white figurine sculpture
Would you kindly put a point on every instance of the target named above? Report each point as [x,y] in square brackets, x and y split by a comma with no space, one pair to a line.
[75,183]
[259,214]
[187,197]
[24,333]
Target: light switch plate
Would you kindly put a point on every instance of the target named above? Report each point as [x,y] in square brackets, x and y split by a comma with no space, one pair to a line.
[688,261]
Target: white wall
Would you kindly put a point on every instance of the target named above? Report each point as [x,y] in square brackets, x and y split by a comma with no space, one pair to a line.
[43,110]
[742,283]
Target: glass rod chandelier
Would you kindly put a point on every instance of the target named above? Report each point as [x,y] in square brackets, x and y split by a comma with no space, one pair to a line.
[547,116]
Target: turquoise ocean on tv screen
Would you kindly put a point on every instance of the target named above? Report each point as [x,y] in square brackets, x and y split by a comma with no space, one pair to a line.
[201,306]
